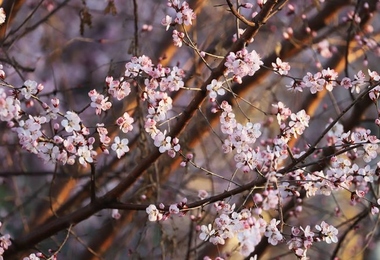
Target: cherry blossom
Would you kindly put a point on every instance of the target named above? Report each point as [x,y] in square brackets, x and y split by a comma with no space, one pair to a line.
[99,102]
[173,209]
[116,214]
[281,67]
[119,89]
[85,154]
[150,127]
[166,21]
[324,49]
[29,88]
[178,38]
[202,194]
[166,143]
[301,240]
[71,122]
[328,232]
[103,137]
[359,82]
[159,104]
[374,94]
[120,146]
[125,122]
[172,79]
[2,72]
[371,151]
[5,242]
[215,88]
[2,16]
[206,232]
[346,83]
[272,233]
[10,107]
[32,257]
[242,63]
[153,213]
[184,14]
[137,65]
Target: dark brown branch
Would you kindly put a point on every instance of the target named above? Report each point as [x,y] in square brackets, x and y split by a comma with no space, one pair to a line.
[238,15]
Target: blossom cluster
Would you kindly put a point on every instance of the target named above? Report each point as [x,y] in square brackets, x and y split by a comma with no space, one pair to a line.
[5,242]
[70,140]
[342,173]
[281,67]
[303,238]
[268,156]
[297,123]
[240,138]
[249,230]
[34,257]
[184,14]
[215,88]
[328,79]
[157,214]
[40,256]
[245,227]
[242,63]
[158,81]
[98,101]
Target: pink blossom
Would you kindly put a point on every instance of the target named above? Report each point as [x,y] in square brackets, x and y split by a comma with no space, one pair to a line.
[29,89]
[2,72]
[173,209]
[166,21]
[358,82]
[150,127]
[178,38]
[373,75]
[242,63]
[125,122]
[119,89]
[374,210]
[215,89]
[32,257]
[120,146]
[330,77]
[85,155]
[162,142]
[99,102]
[2,16]
[206,232]
[273,234]
[160,103]
[346,83]
[329,233]
[71,122]
[184,14]
[116,214]
[281,67]
[153,213]
[10,107]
